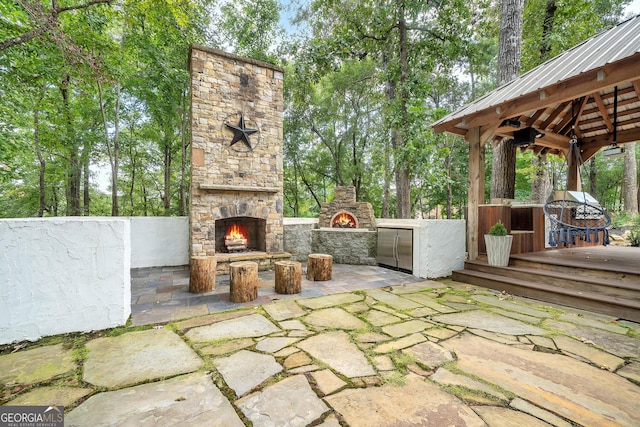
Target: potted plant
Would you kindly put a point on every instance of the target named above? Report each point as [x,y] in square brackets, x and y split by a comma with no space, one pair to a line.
[498,243]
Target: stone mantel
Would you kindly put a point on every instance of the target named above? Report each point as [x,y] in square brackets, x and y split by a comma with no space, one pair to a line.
[213,187]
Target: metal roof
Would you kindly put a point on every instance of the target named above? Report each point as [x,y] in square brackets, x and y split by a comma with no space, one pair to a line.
[573,90]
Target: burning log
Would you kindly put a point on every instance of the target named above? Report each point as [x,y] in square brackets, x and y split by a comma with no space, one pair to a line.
[235,240]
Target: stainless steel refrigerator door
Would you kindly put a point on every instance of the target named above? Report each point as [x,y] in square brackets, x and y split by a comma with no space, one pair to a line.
[404,250]
[386,247]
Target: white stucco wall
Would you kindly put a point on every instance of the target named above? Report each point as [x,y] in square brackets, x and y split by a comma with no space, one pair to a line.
[61,275]
[438,244]
[159,241]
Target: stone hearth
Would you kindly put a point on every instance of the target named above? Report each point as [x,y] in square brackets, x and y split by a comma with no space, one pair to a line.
[236,154]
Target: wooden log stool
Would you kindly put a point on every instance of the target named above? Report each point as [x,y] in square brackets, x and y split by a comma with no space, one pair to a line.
[202,274]
[243,281]
[288,277]
[319,267]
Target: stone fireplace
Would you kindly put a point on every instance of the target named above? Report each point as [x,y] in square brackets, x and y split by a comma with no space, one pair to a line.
[345,212]
[236,154]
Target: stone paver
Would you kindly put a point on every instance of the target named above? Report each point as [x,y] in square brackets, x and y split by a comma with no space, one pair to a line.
[579,319]
[429,354]
[440,333]
[336,350]
[290,402]
[296,360]
[542,341]
[36,365]
[187,400]
[295,325]
[54,396]
[631,371]
[598,357]
[334,318]
[508,305]
[330,421]
[620,345]
[417,403]
[515,315]
[138,356]
[274,344]
[284,310]
[255,325]
[227,347]
[380,318]
[399,344]
[330,301]
[244,370]
[327,381]
[495,416]
[409,288]
[442,376]
[489,322]
[393,301]
[405,328]
[524,406]
[560,384]
[428,301]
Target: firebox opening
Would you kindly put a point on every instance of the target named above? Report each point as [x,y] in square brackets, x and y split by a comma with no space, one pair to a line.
[240,234]
[344,220]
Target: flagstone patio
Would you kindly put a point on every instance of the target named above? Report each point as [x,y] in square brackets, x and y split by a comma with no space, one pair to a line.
[424,353]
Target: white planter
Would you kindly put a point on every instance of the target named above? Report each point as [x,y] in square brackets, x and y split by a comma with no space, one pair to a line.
[498,249]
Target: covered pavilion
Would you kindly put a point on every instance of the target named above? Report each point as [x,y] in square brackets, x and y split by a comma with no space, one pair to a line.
[589,92]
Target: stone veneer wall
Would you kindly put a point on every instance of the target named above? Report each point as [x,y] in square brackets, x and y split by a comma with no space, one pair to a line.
[344,199]
[226,180]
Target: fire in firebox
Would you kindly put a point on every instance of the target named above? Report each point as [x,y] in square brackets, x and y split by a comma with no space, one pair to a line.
[344,220]
[236,239]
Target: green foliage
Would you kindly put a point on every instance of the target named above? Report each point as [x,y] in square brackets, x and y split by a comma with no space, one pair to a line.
[498,229]
[634,235]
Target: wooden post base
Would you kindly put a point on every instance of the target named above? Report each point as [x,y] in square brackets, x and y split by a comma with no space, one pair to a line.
[319,267]
[288,277]
[243,281]
[202,274]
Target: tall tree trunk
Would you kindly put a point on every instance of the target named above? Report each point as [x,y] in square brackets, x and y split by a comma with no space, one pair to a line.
[629,179]
[386,191]
[72,191]
[403,176]
[86,173]
[592,177]
[167,160]
[503,170]
[41,161]
[540,186]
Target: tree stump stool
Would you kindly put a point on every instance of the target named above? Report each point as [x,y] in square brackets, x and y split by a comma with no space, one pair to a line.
[288,277]
[243,281]
[202,274]
[319,267]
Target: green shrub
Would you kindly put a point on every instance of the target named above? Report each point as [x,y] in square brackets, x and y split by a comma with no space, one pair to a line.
[498,229]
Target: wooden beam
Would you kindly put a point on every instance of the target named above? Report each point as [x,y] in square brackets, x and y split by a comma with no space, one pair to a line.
[476,175]
[616,73]
[603,111]
[553,140]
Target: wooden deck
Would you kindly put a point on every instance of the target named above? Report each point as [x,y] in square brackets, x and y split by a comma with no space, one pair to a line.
[599,278]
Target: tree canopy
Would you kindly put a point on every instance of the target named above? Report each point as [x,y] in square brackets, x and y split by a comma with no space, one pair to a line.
[94,98]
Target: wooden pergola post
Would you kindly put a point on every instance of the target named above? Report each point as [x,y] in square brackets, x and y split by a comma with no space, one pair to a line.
[475,192]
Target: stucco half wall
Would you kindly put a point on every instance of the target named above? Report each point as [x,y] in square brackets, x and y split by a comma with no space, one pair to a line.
[61,275]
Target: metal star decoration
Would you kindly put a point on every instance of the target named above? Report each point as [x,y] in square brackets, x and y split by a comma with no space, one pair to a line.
[241,132]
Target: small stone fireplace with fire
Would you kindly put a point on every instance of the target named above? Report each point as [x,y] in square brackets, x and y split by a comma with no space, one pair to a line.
[236,157]
[346,212]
